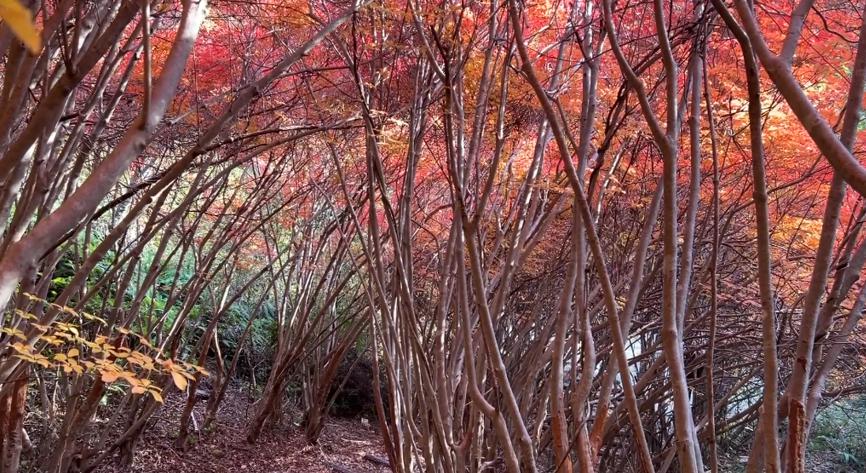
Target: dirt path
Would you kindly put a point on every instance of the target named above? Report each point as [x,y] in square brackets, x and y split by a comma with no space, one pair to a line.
[343,444]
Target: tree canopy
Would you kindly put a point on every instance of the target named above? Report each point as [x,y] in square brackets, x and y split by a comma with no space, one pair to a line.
[572,236]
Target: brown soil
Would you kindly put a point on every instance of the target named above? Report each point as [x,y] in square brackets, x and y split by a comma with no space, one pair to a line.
[341,448]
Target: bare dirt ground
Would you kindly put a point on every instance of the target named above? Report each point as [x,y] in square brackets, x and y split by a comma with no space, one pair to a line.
[342,447]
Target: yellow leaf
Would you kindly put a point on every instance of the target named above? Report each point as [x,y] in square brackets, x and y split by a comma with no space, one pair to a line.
[138,389]
[26,358]
[93,317]
[156,396]
[59,357]
[15,333]
[179,380]
[75,366]
[109,377]
[143,340]
[130,378]
[72,353]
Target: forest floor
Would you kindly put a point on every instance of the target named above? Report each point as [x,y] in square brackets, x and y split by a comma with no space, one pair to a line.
[341,449]
[342,446]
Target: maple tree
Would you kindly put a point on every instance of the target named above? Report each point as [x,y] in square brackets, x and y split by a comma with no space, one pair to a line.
[566,236]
